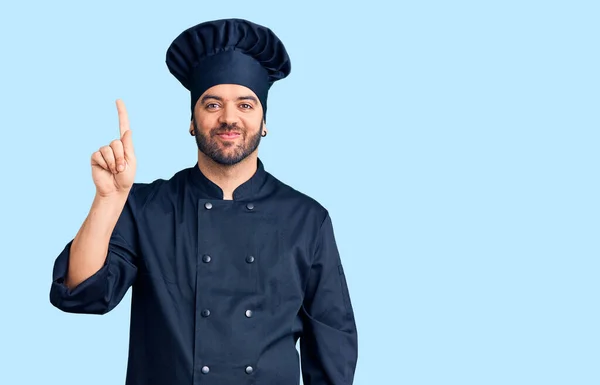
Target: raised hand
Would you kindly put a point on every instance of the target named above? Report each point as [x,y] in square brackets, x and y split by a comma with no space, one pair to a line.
[113,166]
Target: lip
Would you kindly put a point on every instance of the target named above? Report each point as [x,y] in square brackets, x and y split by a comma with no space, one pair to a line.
[229,135]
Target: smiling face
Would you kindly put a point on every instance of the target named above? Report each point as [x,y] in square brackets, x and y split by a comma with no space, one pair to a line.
[228,122]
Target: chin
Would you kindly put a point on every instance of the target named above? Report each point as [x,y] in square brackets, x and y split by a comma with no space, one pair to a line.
[226,160]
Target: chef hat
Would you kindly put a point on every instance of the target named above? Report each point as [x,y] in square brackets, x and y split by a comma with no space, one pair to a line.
[228,51]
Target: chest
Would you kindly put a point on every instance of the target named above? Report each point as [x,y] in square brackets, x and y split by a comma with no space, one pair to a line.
[225,247]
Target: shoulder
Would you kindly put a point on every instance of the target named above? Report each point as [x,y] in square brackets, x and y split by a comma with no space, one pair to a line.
[298,201]
[144,192]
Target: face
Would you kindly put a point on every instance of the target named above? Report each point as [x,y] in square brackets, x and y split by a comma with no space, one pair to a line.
[228,122]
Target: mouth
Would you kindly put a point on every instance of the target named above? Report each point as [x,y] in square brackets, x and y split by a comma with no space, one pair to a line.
[229,135]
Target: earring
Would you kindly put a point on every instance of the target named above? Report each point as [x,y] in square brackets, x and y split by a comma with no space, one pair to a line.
[193,132]
[264,133]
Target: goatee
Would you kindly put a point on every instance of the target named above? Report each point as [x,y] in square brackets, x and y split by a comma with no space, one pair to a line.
[222,152]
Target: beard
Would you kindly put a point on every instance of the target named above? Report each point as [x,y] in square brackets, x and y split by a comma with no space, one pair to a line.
[227,153]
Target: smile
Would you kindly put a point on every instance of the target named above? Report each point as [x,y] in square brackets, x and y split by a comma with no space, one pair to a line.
[229,135]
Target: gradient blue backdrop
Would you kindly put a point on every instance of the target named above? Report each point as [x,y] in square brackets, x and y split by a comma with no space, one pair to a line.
[455,144]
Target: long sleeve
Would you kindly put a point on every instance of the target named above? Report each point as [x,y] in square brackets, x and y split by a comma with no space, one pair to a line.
[104,290]
[329,343]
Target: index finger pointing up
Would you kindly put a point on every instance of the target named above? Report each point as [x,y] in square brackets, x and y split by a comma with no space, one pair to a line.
[123,118]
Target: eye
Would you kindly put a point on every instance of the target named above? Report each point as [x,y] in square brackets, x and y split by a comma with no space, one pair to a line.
[246,106]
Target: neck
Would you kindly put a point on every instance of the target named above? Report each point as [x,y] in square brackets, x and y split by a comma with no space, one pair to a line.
[228,178]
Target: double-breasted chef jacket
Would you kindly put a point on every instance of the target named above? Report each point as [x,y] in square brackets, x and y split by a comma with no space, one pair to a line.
[223,289]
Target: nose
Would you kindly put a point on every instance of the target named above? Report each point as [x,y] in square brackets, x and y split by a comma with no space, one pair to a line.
[228,115]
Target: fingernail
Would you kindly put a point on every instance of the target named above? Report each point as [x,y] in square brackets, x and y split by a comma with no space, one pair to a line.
[121,168]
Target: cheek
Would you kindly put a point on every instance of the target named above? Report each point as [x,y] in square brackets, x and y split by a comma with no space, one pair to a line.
[253,126]
[203,126]
[204,121]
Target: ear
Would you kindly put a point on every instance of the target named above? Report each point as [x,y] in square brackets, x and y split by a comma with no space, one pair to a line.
[192,129]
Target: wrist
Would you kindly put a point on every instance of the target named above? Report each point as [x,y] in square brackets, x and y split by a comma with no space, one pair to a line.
[117,198]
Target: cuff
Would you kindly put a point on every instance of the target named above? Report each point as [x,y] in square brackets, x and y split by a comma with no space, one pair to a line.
[74,300]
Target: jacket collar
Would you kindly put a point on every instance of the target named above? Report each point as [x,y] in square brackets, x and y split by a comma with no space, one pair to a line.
[246,191]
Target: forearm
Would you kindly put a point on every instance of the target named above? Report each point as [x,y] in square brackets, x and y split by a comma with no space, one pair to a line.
[90,246]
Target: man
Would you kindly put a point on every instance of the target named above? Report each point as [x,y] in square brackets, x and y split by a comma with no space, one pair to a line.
[228,266]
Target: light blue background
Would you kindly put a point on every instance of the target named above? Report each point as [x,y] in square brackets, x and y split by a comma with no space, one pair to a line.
[454,143]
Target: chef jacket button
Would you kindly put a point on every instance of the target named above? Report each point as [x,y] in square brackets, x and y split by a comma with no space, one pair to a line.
[205,369]
[208,205]
[206,258]
[250,206]
[249,369]
[205,313]
[250,259]
[248,313]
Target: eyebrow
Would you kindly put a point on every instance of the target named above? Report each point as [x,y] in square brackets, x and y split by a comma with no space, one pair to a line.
[215,97]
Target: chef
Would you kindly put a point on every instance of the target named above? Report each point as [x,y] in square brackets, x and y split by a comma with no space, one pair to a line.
[228,266]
